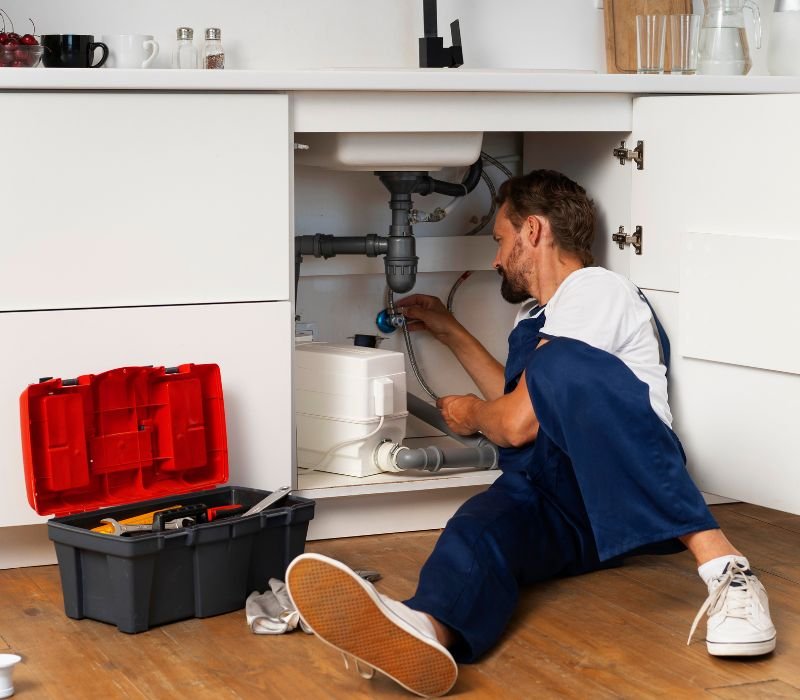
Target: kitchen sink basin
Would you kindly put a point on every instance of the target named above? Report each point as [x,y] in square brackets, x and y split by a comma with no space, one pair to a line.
[423,151]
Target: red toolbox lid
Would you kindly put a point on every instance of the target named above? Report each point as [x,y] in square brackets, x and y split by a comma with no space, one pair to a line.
[127,435]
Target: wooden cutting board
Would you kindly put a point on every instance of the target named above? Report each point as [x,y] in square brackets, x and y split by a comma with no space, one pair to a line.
[620,20]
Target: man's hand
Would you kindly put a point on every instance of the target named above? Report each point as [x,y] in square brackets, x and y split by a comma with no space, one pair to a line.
[508,421]
[427,313]
[459,413]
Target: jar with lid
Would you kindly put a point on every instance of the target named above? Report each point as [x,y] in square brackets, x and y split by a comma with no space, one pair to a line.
[213,53]
[185,53]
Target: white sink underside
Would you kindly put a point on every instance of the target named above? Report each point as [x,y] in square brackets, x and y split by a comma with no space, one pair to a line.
[423,151]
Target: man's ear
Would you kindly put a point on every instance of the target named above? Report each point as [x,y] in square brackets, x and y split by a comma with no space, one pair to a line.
[533,230]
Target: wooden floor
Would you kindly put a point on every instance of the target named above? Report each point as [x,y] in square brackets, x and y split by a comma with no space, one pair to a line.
[614,634]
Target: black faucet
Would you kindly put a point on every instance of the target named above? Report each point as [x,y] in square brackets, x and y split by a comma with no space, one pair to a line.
[432,53]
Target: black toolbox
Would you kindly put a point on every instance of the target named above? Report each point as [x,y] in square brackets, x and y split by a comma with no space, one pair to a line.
[95,446]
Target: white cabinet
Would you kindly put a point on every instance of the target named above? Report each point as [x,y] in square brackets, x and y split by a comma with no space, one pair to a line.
[717,200]
[184,202]
[737,424]
[149,228]
[136,198]
[251,342]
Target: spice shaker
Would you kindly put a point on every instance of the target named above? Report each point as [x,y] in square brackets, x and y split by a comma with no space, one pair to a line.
[185,53]
[213,53]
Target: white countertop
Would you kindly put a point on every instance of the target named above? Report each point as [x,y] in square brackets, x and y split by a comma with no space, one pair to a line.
[391,80]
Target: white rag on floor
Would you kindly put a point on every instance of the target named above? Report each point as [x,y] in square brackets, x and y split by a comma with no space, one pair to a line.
[272,612]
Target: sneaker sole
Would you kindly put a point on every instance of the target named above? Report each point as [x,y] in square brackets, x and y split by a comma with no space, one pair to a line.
[345,614]
[741,649]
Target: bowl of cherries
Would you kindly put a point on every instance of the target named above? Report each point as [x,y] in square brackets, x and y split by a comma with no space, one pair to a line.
[19,51]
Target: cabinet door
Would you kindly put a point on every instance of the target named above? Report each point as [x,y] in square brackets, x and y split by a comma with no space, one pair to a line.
[252,343]
[134,199]
[717,201]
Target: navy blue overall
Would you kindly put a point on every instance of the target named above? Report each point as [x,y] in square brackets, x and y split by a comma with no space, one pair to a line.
[604,478]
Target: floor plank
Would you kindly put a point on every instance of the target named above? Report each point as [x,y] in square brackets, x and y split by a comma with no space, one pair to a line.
[619,633]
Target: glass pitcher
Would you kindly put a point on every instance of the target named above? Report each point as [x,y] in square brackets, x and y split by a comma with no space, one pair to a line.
[723,38]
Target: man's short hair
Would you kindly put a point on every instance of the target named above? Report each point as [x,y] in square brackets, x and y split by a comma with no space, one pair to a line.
[560,200]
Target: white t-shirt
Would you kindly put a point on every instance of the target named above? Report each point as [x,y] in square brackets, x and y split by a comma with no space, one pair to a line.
[604,310]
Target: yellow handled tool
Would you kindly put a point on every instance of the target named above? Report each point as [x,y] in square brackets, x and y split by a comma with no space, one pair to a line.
[143,519]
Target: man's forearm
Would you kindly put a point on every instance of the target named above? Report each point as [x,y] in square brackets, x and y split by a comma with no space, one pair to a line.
[509,421]
[482,367]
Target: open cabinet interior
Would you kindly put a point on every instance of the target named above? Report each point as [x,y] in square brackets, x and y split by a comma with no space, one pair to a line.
[341,297]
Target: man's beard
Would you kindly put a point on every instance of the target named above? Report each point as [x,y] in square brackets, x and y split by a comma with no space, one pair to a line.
[514,288]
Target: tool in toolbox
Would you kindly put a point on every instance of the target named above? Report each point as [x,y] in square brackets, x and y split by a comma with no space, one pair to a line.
[119,528]
[177,517]
[219,512]
[167,519]
[143,519]
[193,512]
[265,503]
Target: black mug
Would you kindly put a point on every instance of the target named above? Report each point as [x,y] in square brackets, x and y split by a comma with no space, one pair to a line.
[72,51]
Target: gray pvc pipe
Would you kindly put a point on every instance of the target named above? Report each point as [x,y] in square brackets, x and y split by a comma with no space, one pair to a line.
[430,414]
[432,459]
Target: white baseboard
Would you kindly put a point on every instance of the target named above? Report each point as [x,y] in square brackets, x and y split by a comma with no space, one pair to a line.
[376,514]
[713,500]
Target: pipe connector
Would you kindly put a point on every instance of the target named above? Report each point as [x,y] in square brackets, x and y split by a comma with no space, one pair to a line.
[385,454]
[422,217]
[392,457]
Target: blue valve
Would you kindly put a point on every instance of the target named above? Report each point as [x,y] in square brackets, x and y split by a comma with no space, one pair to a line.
[388,322]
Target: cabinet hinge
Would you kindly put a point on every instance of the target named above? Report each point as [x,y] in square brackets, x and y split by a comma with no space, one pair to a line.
[636,155]
[622,239]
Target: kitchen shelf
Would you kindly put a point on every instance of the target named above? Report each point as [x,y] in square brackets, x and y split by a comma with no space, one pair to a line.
[391,80]
[321,485]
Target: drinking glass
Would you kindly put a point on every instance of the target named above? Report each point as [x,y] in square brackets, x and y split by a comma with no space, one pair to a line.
[650,39]
[684,32]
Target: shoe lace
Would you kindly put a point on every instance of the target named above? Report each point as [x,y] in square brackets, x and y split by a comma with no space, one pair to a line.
[733,591]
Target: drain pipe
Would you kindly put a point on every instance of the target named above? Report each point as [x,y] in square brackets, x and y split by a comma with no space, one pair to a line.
[391,457]
[322,245]
[478,452]
[399,247]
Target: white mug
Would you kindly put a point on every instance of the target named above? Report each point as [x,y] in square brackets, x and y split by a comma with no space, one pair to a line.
[131,50]
[7,663]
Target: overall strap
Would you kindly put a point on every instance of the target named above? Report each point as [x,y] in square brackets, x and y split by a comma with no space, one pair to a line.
[661,334]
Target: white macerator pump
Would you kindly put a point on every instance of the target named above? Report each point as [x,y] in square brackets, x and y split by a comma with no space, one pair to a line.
[351,408]
[347,401]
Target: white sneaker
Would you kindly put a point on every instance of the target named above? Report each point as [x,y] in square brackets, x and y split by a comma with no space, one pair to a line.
[738,614]
[347,613]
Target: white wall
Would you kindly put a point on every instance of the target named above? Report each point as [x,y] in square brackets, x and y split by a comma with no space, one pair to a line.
[531,34]
[342,33]
[256,33]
